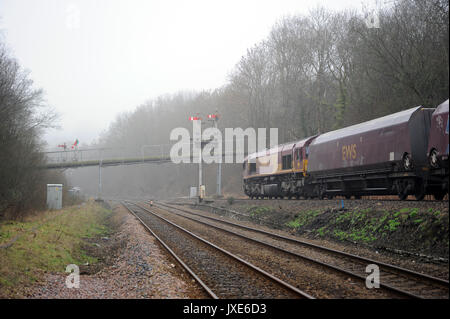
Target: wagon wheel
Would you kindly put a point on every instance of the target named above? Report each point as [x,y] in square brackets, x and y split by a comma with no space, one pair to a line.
[433,158]
[420,191]
[402,189]
[439,195]
[407,162]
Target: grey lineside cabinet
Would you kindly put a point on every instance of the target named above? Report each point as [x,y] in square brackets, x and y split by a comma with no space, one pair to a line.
[54,196]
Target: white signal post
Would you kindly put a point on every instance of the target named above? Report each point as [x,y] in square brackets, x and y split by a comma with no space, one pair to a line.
[197,141]
[215,118]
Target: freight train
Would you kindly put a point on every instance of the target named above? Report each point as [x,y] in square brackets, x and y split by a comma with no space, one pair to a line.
[405,153]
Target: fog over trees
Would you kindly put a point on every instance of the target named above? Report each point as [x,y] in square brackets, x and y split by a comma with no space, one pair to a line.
[312,74]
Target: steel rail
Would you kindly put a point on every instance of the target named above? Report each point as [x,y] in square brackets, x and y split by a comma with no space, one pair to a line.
[239,259]
[181,262]
[403,271]
[298,241]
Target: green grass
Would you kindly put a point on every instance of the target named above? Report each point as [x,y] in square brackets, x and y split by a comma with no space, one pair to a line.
[302,219]
[322,231]
[255,211]
[50,247]
[363,226]
[392,224]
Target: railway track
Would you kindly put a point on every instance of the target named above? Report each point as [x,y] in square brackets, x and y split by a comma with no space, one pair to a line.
[402,281]
[221,273]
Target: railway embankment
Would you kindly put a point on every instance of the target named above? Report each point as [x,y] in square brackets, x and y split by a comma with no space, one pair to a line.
[419,229]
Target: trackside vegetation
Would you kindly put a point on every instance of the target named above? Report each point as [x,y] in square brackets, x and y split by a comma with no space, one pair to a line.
[418,229]
[411,229]
[48,243]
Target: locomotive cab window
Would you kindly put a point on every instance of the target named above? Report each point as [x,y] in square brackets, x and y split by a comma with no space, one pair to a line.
[252,168]
[298,154]
[287,162]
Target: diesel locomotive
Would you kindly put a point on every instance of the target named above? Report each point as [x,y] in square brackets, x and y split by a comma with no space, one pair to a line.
[405,153]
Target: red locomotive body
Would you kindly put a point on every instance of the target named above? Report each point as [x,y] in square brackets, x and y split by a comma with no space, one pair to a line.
[277,172]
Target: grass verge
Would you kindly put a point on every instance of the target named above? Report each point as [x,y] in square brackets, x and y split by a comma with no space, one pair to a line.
[47,243]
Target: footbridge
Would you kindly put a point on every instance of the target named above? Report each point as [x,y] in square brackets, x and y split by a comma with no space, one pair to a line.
[104,157]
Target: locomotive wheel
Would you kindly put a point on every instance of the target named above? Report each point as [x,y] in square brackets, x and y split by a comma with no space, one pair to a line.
[420,196]
[407,161]
[402,196]
[434,161]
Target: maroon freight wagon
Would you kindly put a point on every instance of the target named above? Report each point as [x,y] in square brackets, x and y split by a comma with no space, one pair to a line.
[438,142]
[438,145]
[385,156]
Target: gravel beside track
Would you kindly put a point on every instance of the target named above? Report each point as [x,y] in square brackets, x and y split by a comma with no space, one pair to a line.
[409,282]
[139,268]
[226,277]
[318,280]
[414,260]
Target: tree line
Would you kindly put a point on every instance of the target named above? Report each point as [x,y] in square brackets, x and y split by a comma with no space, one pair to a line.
[313,73]
[23,117]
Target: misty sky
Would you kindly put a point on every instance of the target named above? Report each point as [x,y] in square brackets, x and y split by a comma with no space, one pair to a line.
[96,59]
